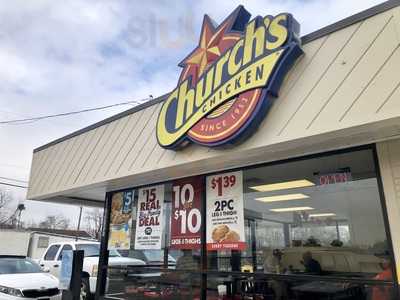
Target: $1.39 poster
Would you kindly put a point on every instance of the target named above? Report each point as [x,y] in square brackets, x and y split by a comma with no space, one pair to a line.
[186,216]
[225,212]
[149,218]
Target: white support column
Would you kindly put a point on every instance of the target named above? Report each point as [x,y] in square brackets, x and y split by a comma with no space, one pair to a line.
[389,160]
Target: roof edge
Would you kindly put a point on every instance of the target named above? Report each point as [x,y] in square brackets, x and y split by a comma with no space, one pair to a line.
[365,14]
[103,122]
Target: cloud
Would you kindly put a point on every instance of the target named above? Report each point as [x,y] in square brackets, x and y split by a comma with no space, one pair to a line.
[83,54]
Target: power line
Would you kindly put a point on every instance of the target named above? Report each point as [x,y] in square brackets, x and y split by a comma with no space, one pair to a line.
[34,119]
[12,179]
[67,113]
[13,185]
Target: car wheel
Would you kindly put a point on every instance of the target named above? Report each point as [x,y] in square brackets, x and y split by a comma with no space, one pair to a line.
[85,290]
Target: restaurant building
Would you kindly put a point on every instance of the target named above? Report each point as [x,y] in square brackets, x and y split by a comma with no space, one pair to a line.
[272,170]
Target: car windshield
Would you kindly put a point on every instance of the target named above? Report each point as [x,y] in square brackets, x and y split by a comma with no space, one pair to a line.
[93,250]
[11,265]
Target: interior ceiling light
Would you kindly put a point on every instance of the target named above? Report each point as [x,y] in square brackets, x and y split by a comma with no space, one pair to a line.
[322,215]
[285,197]
[283,185]
[289,209]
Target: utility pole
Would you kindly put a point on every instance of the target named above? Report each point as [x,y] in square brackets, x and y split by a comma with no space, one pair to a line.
[79,223]
[20,208]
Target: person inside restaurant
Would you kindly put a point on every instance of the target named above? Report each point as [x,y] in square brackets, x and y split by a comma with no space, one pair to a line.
[311,266]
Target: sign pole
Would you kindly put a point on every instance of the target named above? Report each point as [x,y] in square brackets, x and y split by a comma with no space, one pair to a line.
[76,278]
[103,259]
[73,275]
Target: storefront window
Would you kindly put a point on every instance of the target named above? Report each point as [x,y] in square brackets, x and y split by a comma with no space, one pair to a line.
[328,207]
[305,229]
[155,265]
[319,217]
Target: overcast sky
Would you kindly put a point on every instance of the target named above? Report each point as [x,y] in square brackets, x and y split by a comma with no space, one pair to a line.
[58,56]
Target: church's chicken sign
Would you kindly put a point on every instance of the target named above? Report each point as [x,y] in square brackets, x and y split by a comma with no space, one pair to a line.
[229,81]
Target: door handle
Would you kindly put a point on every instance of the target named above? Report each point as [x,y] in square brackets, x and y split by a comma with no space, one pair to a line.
[56,266]
[42,265]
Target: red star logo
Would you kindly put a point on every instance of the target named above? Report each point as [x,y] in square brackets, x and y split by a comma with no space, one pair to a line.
[213,42]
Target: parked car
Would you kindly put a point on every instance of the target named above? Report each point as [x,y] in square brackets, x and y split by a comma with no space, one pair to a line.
[51,261]
[22,277]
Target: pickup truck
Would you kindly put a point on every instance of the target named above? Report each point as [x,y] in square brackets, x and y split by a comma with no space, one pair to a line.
[51,262]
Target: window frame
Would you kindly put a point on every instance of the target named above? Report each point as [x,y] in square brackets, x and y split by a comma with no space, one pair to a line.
[43,240]
[58,246]
[59,256]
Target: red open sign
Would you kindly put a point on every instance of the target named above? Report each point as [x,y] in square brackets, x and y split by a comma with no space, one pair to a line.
[334,178]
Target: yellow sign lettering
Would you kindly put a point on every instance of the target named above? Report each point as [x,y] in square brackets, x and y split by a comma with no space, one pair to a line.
[185,104]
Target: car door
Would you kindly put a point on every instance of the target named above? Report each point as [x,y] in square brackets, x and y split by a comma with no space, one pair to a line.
[49,259]
[64,248]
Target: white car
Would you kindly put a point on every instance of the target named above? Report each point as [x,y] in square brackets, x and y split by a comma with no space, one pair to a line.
[21,277]
[51,261]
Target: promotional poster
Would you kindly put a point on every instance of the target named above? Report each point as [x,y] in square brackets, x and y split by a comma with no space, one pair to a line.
[121,221]
[149,218]
[225,212]
[186,216]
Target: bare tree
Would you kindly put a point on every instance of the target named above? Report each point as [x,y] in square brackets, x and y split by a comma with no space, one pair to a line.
[93,222]
[6,215]
[55,222]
